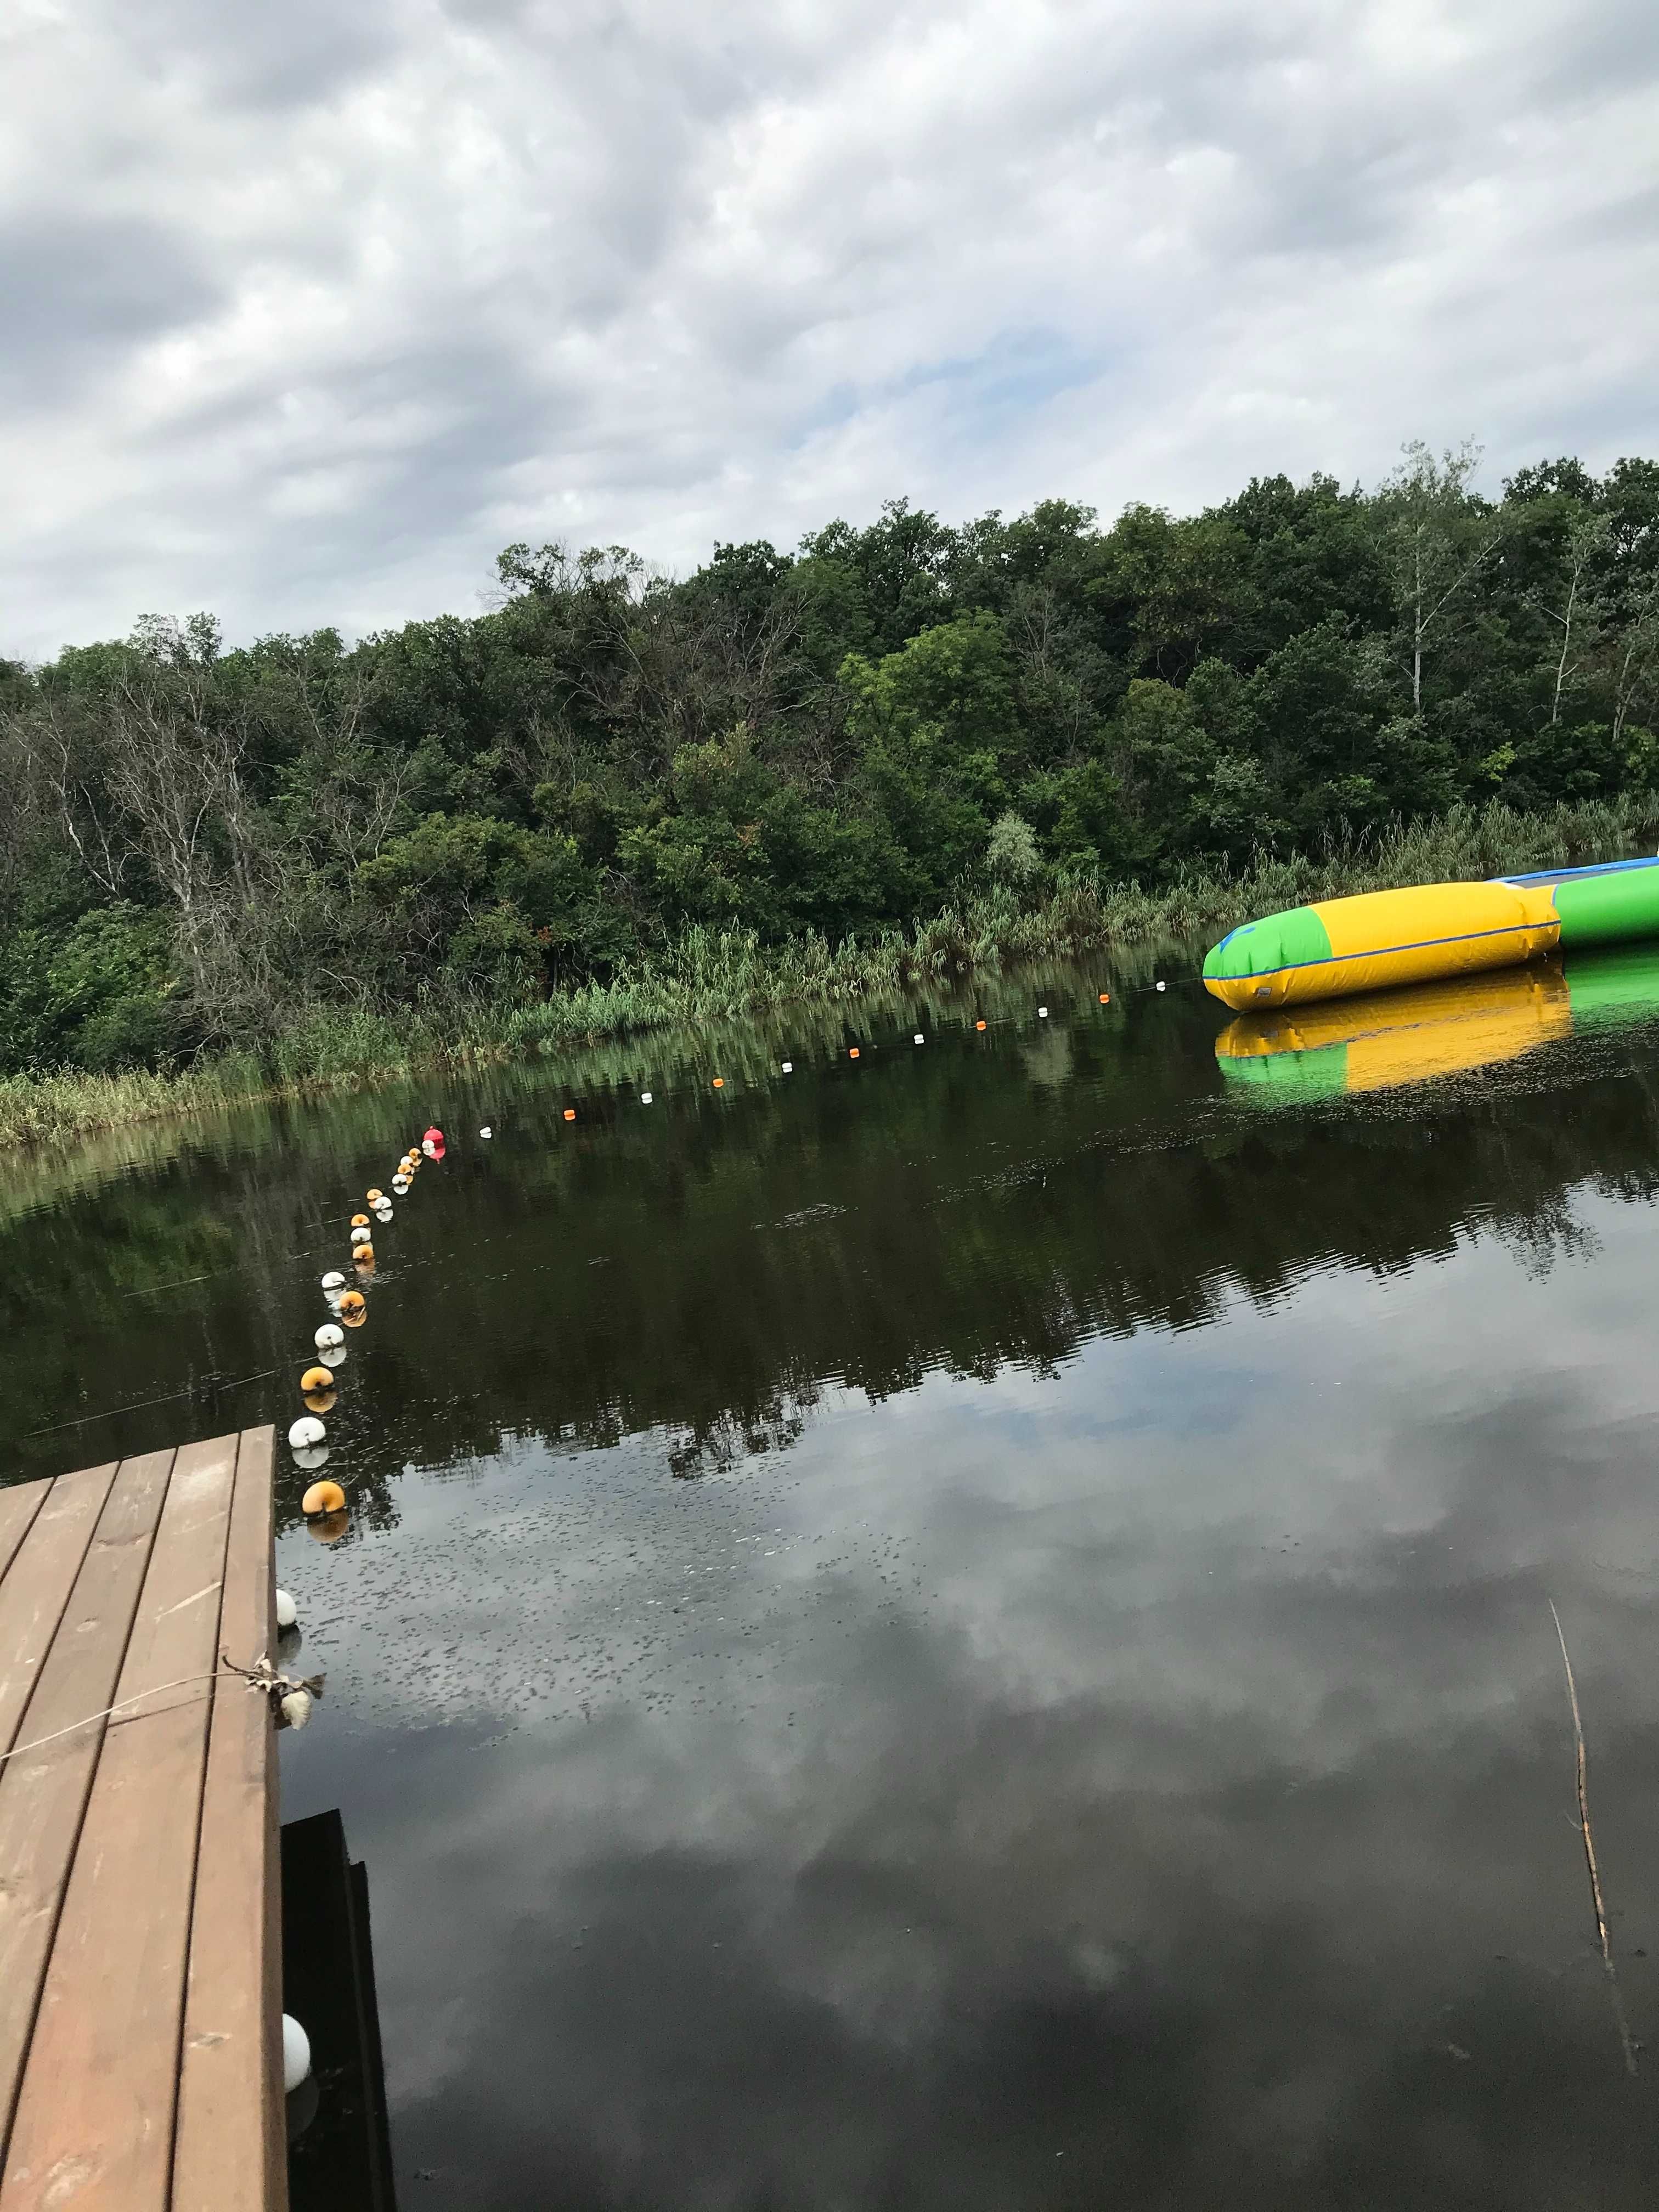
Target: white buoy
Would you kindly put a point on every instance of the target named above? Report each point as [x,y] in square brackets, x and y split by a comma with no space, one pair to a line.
[400,1184]
[918,1038]
[383,1212]
[332,1355]
[296,2054]
[287,1611]
[328,1336]
[296,1708]
[788,1066]
[359,1236]
[1160,987]
[310,1457]
[1043,1013]
[486,1131]
[334,1280]
[429,1148]
[307,1431]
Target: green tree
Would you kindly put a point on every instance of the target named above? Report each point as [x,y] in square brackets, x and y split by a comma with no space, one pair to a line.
[937,726]
[1012,855]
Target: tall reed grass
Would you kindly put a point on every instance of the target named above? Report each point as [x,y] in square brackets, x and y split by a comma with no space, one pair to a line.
[710,975]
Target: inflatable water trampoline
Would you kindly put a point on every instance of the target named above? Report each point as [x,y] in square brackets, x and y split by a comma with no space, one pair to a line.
[1338,946]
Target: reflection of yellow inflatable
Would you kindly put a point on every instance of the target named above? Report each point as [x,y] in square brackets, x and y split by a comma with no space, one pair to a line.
[1380,1039]
[1388,1037]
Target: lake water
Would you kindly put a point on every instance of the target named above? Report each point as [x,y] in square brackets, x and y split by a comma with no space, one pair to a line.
[967,1629]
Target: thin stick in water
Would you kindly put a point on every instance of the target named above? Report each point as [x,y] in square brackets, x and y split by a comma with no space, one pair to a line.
[1596,1898]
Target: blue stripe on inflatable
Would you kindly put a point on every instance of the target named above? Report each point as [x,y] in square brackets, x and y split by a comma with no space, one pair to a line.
[1564,875]
[1386,951]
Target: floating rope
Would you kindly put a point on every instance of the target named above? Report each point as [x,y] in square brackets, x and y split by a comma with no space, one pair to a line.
[209,1388]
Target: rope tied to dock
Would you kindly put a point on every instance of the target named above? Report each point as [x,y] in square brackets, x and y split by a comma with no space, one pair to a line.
[262,1676]
[277,1686]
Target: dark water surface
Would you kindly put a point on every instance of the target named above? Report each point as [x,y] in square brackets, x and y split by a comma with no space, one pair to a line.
[967,1629]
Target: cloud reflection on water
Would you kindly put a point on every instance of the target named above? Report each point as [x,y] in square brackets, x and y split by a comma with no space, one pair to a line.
[1155,1780]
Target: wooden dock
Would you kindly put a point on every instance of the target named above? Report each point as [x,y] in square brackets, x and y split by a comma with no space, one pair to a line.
[140,1934]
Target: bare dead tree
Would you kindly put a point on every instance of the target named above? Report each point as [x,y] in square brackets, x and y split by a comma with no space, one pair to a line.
[57,753]
[1438,543]
[1637,660]
[1038,632]
[1582,612]
[176,771]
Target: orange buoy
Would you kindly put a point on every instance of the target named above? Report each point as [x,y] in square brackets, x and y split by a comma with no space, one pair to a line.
[319,1402]
[1105,998]
[328,1527]
[323,1497]
[360,1221]
[317,1378]
[720,1083]
[852,1052]
[979,1025]
[364,1258]
[374,1196]
[352,1308]
[570,1113]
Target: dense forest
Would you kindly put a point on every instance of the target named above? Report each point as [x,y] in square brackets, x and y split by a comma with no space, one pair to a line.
[204,848]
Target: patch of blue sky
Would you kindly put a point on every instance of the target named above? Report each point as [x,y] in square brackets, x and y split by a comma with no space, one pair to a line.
[1017,373]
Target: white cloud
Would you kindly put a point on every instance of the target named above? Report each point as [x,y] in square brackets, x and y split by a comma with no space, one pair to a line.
[309,311]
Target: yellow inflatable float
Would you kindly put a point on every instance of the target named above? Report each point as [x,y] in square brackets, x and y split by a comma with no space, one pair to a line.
[1379,939]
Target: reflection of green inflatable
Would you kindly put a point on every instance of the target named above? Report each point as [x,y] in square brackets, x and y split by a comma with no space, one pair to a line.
[1620,985]
[1385,1038]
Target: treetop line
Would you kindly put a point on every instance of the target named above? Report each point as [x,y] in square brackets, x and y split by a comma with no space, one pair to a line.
[204,848]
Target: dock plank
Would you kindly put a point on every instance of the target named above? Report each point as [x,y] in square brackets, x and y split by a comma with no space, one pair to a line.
[95,2119]
[230,2153]
[43,1794]
[18,1503]
[47,1559]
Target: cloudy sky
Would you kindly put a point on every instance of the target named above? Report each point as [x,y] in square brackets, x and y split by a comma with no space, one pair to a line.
[305,309]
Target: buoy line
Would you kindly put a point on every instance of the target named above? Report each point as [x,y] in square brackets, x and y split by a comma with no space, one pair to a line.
[325,1505]
[980,1024]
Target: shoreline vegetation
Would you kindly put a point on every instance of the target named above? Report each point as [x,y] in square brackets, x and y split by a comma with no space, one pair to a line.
[895,759]
[709,976]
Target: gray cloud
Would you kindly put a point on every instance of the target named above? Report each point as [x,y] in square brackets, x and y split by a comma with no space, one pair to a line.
[306,52]
[77,289]
[305,320]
